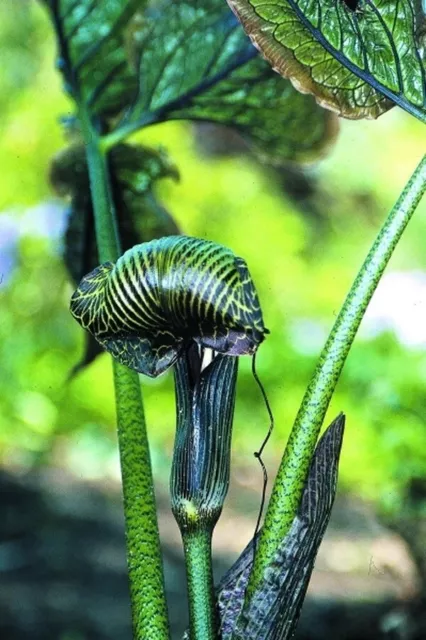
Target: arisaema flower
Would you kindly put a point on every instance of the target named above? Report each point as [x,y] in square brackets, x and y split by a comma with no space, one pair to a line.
[163,295]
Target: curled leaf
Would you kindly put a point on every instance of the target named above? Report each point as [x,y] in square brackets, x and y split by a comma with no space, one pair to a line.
[136,167]
[162,294]
[274,609]
[358,59]
[140,216]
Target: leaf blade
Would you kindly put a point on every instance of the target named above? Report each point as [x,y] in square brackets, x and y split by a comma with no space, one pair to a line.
[357,63]
[92,56]
[225,82]
[274,129]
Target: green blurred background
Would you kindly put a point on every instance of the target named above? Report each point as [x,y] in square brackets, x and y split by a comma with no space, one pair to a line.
[303,234]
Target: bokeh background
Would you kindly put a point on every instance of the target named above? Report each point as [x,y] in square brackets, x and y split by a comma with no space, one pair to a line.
[303,233]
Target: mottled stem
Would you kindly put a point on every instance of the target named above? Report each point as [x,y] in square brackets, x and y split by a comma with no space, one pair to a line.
[294,467]
[149,610]
[148,603]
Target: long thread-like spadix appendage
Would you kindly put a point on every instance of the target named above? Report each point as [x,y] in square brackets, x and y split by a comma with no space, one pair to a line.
[258,454]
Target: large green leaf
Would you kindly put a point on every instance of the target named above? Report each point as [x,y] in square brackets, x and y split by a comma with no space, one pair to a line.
[188,59]
[195,62]
[92,55]
[357,58]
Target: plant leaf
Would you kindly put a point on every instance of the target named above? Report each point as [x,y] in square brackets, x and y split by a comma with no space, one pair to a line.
[140,216]
[357,62]
[195,62]
[92,56]
[281,123]
[275,607]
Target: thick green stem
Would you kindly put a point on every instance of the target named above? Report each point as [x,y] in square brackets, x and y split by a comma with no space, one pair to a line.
[297,457]
[107,236]
[202,604]
[149,609]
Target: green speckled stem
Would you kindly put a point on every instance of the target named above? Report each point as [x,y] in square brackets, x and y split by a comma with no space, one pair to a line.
[300,448]
[202,604]
[148,603]
[149,613]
